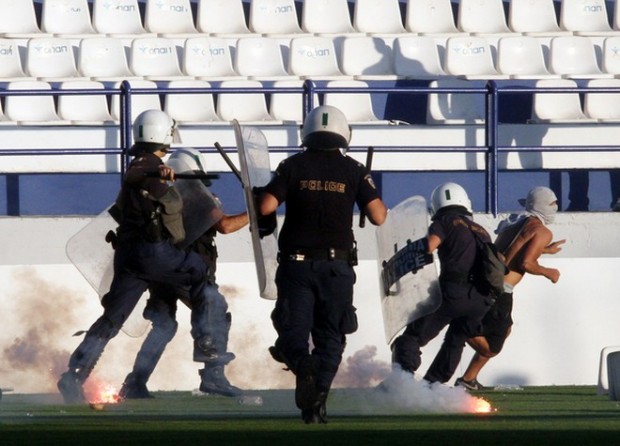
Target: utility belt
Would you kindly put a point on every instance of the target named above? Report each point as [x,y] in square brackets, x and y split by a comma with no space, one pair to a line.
[309,254]
[456,277]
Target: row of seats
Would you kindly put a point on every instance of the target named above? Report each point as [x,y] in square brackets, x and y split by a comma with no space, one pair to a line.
[164,17]
[189,107]
[317,57]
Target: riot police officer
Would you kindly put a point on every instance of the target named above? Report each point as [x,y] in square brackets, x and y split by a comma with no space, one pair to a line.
[149,215]
[161,306]
[317,253]
[464,301]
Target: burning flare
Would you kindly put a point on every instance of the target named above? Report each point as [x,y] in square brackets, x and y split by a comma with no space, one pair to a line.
[99,392]
[480,405]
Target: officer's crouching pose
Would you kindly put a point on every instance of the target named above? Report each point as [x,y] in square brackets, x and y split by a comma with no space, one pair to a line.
[315,275]
[148,212]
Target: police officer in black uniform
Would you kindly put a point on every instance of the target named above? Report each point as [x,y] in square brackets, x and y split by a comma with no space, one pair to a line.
[464,302]
[149,216]
[161,306]
[315,275]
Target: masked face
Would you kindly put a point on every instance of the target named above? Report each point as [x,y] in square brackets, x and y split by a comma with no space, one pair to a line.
[542,202]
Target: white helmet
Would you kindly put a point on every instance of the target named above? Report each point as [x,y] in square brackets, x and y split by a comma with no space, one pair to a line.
[325,128]
[449,194]
[154,126]
[187,160]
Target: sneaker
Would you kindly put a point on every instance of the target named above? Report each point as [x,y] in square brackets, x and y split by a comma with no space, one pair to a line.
[133,389]
[305,383]
[213,381]
[469,385]
[70,388]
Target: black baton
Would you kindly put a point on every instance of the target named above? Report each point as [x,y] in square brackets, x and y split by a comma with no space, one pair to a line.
[228,161]
[369,155]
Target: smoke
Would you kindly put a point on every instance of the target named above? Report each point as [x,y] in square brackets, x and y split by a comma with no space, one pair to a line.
[361,369]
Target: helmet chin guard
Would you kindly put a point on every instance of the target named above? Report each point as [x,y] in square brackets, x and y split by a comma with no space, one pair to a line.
[325,128]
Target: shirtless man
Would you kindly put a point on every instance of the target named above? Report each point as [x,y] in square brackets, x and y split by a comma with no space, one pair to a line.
[522,238]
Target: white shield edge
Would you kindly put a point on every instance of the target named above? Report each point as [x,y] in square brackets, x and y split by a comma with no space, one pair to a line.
[255,172]
[416,294]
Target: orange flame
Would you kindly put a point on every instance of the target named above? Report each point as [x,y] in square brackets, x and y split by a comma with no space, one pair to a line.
[99,392]
[481,406]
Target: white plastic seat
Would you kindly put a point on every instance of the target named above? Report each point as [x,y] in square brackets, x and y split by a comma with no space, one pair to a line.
[314,57]
[10,61]
[169,18]
[120,18]
[602,106]
[260,58]
[611,56]
[155,58]
[326,17]
[51,59]
[84,109]
[104,59]
[534,17]
[584,18]
[378,17]
[417,57]
[430,17]
[242,106]
[208,58]
[222,17]
[31,109]
[367,58]
[456,108]
[603,377]
[482,17]
[19,20]
[287,107]
[522,57]
[357,107]
[557,107]
[139,102]
[470,57]
[273,17]
[66,18]
[574,57]
[190,108]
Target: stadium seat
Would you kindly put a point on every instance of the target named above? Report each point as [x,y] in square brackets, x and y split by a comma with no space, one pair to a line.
[51,59]
[603,378]
[169,18]
[430,17]
[243,106]
[584,18]
[522,57]
[574,57]
[260,58]
[65,18]
[119,19]
[482,17]
[287,108]
[417,57]
[222,17]
[31,109]
[155,58]
[534,17]
[611,56]
[19,20]
[602,106]
[456,108]
[470,57]
[139,102]
[10,61]
[357,107]
[314,57]
[190,108]
[326,17]
[378,17]
[368,58]
[88,109]
[208,58]
[103,59]
[274,17]
[557,107]
[613,375]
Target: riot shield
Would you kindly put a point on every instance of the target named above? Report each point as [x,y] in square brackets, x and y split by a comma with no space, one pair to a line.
[256,171]
[93,256]
[407,274]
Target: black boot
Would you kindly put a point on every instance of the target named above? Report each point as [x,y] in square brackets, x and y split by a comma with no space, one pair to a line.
[70,387]
[213,381]
[134,388]
[305,382]
[318,413]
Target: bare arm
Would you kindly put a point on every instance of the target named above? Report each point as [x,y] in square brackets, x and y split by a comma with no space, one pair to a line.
[376,212]
[433,243]
[232,223]
[268,204]
[554,247]
[533,250]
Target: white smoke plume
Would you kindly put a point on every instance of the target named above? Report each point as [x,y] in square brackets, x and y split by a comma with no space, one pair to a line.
[362,369]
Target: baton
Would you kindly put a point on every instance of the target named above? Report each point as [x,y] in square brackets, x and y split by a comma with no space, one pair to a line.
[187,176]
[228,161]
[369,154]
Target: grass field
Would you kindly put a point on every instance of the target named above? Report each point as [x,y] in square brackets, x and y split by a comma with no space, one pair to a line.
[559,415]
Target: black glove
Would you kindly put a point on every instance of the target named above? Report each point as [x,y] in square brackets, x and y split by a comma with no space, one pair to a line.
[266,223]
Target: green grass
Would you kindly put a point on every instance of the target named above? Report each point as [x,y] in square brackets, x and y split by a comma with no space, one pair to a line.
[562,415]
